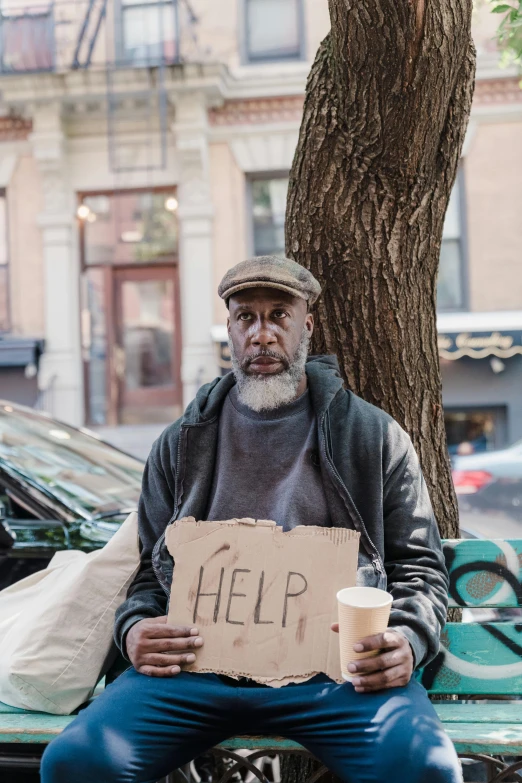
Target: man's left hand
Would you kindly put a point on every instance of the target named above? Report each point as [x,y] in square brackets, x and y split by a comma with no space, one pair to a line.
[390,668]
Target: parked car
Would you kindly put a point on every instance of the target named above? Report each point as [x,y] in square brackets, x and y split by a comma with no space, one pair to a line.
[489,491]
[60,488]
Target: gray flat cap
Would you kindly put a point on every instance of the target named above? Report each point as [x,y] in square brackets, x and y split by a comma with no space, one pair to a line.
[270,272]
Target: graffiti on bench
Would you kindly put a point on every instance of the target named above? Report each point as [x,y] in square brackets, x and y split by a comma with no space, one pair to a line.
[482,657]
[494,574]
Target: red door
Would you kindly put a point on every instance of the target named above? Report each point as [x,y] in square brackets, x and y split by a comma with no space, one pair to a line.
[146,351]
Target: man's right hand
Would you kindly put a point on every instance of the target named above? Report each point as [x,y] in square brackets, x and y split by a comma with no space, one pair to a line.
[158,649]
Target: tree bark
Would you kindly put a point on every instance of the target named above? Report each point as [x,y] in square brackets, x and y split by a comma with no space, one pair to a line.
[386,109]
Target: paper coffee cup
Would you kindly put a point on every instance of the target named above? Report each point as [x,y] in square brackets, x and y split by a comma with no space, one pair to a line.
[363,611]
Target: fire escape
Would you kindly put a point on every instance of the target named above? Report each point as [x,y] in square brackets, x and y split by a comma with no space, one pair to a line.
[88,33]
[141,41]
[136,115]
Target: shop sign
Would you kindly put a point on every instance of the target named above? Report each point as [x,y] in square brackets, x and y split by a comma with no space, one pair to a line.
[479,345]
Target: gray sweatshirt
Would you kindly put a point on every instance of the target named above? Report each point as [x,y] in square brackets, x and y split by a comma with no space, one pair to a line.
[267,465]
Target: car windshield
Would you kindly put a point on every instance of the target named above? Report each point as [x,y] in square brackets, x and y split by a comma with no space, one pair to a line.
[84,474]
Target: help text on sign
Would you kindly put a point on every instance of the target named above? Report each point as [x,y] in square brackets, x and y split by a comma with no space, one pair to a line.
[262,599]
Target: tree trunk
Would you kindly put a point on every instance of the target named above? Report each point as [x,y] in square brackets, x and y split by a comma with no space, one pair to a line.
[386,110]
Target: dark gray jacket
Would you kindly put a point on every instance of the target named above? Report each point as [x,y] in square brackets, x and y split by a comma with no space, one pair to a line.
[373,483]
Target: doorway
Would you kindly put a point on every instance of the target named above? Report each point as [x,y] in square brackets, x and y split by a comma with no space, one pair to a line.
[131,340]
[146,350]
[132,345]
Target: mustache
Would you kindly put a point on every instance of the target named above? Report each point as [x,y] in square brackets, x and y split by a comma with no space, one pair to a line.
[265,352]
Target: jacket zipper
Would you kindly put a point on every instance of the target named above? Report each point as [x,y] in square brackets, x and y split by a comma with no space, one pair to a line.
[366,540]
[176,484]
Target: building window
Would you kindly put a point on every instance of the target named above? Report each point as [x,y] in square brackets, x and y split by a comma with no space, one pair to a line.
[5,320]
[148,33]
[274,30]
[450,285]
[473,430]
[268,204]
[129,227]
[27,40]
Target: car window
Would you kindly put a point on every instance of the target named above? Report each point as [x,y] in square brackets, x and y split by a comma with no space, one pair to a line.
[85,474]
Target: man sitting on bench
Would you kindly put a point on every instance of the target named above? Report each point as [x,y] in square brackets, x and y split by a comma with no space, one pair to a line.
[279,438]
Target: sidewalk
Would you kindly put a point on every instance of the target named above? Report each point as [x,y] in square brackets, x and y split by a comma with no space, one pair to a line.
[135,439]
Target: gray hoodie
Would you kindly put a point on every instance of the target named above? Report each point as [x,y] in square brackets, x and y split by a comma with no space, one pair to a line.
[374,485]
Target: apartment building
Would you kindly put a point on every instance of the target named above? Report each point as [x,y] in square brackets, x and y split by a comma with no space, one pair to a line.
[145,148]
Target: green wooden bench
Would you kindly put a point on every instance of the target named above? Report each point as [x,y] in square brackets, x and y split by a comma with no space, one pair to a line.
[480,664]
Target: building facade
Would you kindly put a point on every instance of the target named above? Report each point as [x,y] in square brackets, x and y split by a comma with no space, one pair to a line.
[145,148]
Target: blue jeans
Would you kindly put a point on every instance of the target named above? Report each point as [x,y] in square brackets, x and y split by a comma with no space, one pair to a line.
[142,727]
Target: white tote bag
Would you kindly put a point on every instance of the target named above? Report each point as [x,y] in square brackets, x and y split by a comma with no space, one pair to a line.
[56,625]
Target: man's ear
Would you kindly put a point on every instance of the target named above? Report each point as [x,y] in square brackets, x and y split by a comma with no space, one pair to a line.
[309,323]
[228,324]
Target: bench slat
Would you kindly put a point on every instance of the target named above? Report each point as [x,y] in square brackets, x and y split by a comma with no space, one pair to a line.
[473,735]
[477,659]
[260,743]
[491,738]
[484,573]
[32,727]
[483,712]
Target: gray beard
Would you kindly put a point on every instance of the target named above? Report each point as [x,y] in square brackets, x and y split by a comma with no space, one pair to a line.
[264,393]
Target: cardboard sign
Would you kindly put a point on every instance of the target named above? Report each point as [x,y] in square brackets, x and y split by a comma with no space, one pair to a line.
[263,600]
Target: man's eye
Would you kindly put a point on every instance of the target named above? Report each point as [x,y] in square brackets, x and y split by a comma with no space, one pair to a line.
[244,316]
[279,314]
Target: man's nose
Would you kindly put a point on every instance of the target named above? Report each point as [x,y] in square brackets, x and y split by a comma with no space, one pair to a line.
[262,334]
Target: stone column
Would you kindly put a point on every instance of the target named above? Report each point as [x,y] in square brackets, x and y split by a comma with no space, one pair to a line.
[195,214]
[61,368]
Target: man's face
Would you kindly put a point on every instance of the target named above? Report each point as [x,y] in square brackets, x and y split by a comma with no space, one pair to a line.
[266,326]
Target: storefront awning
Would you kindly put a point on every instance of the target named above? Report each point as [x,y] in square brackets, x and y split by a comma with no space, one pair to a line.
[479,335]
